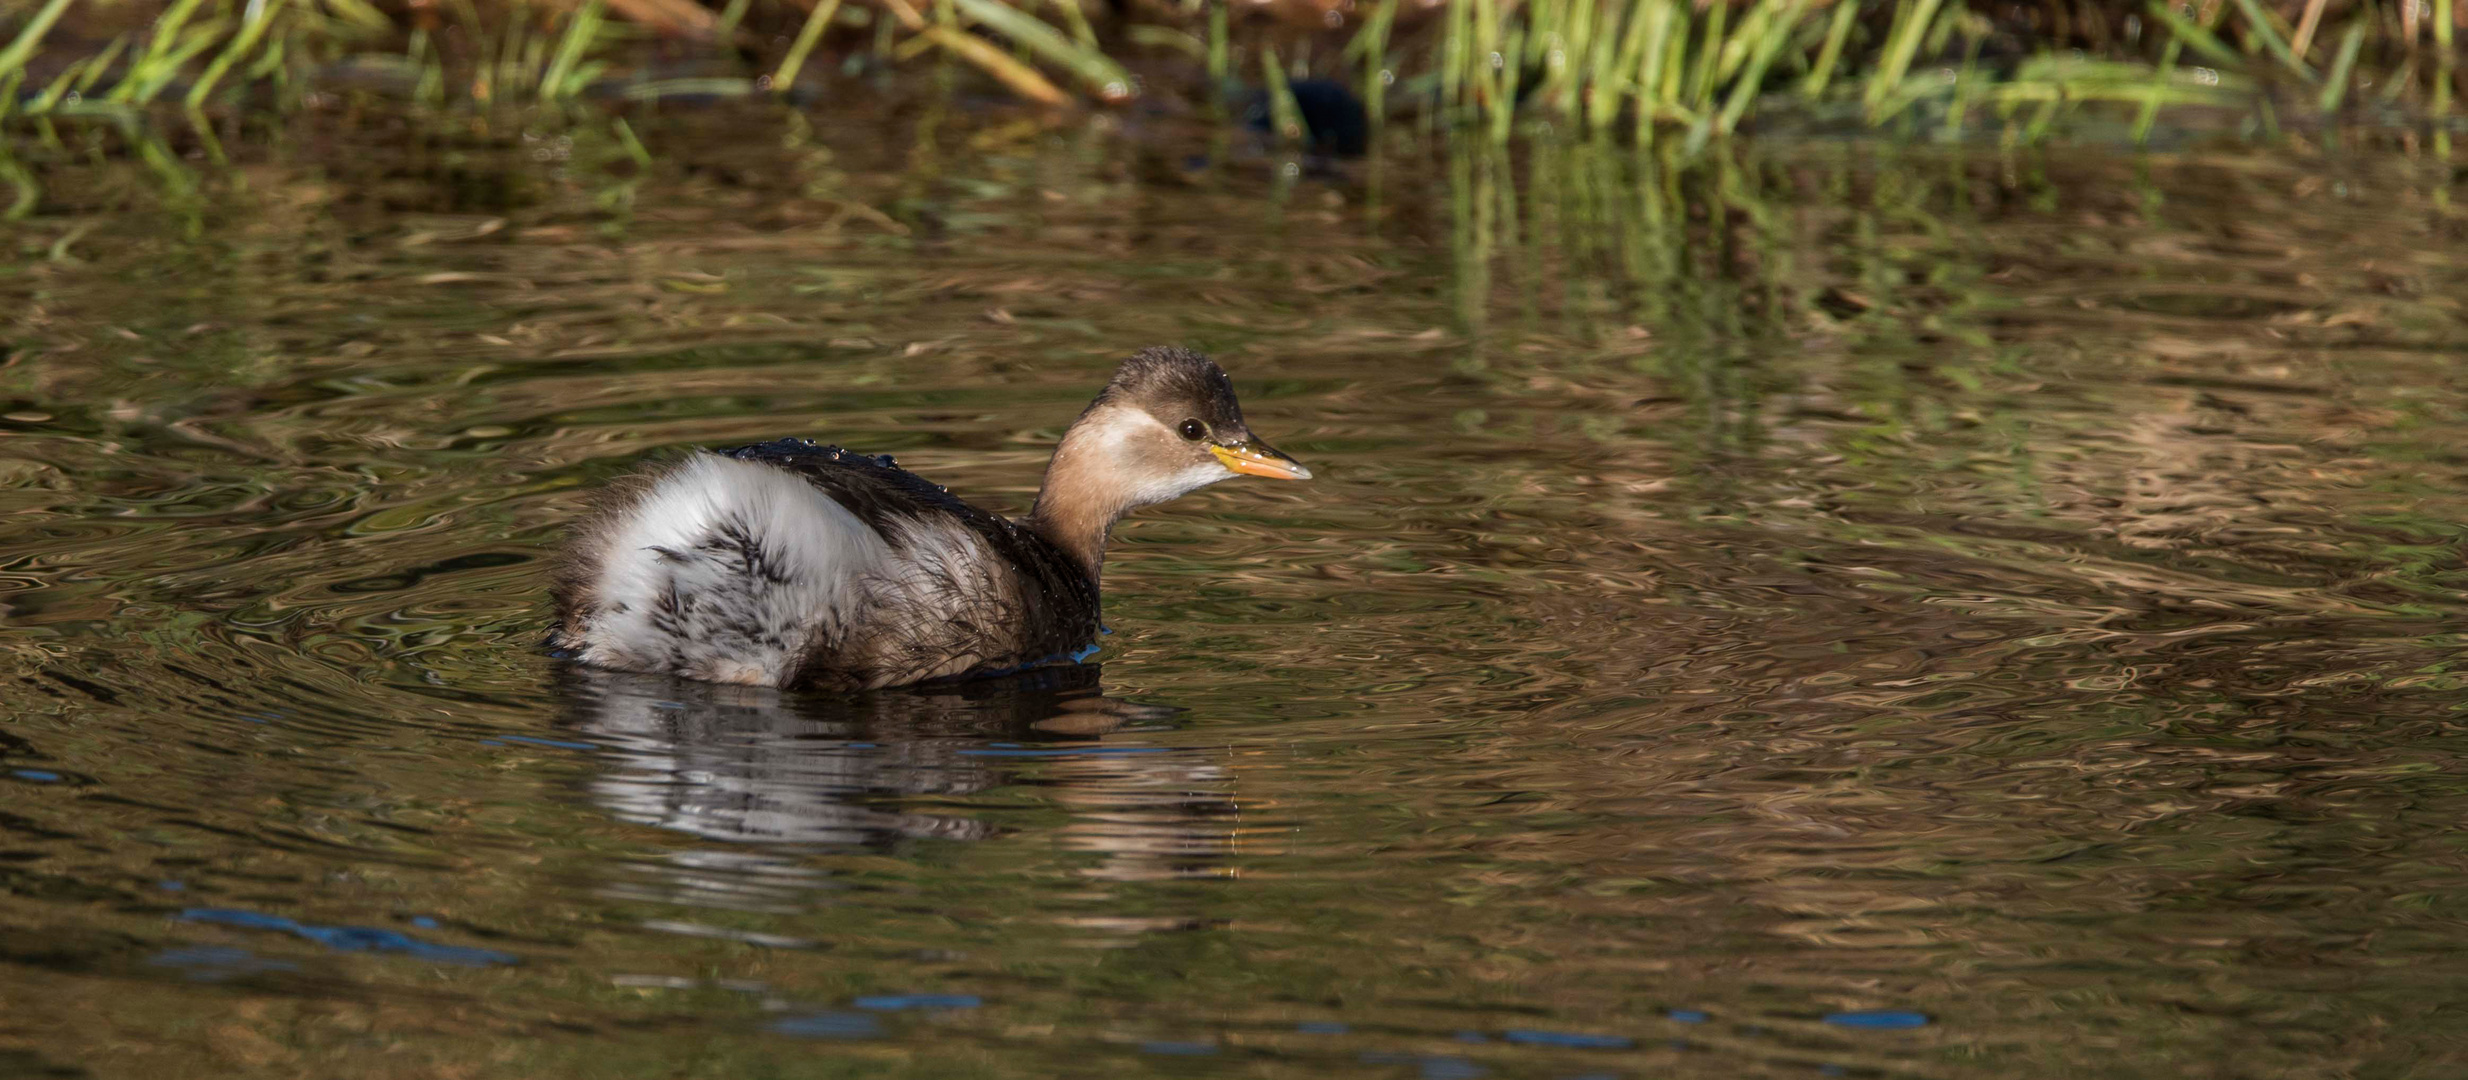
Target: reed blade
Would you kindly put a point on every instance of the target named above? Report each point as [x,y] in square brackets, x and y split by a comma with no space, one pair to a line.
[2258,23]
[817,21]
[13,58]
[2343,65]
[241,45]
[1837,31]
[1094,68]
[581,27]
[1901,45]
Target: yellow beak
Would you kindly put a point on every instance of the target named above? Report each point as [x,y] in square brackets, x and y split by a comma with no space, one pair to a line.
[1255,458]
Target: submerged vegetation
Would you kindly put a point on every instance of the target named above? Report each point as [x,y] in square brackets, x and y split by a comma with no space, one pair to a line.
[1474,65]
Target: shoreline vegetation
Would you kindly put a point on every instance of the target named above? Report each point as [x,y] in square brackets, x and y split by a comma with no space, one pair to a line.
[1641,69]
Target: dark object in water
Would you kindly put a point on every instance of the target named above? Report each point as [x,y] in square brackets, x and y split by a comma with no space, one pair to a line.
[1332,116]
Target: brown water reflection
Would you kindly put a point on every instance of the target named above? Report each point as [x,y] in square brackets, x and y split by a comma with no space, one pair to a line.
[1825,609]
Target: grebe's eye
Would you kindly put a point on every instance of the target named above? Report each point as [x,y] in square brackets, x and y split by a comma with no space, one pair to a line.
[1194,430]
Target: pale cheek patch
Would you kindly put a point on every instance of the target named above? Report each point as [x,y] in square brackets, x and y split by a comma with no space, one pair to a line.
[1140,450]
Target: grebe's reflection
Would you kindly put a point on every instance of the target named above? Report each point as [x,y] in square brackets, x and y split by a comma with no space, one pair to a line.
[748,764]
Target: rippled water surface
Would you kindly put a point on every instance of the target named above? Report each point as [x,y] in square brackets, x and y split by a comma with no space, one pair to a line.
[1827,609]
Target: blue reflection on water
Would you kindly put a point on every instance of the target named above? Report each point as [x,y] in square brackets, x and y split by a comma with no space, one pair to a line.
[1177,1048]
[353,938]
[1432,1068]
[215,963]
[829,1025]
[1568,1039]
[895,1002]
[1879,1019]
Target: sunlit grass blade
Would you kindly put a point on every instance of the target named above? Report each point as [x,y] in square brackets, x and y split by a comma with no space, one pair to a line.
[2195,37]
[2258,23]
[165,36]
[99,64]
[29,192]
[50,95]
[720,87]
[1653,48]
[1507,77]
[1220,64]
[2343,66]
[2149,113]
[1776,34]
[1373,39]
[1708,58]
[362,14]
[1285,115]
[1152,36]
[808,36]
[732,15]
[241,44]
[1610,66]
[1837,31]
[1455,45]
[1020,78]
[581,27]
[1902,43]
[14,57]
[1093,68]
[1484,59]
[2303,40]
[2444,59]
[149,76]
[1082,33]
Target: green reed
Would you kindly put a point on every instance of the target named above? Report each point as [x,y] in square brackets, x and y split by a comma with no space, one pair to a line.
[1485,66]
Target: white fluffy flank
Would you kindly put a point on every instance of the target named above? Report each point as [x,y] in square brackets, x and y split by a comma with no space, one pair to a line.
[726,570]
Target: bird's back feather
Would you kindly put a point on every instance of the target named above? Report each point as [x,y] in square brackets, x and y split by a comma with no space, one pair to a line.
[788,563]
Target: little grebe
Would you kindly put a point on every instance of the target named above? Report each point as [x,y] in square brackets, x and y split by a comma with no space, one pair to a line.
[789,563]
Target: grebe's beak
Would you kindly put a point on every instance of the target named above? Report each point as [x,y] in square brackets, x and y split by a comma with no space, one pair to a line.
[1255,458]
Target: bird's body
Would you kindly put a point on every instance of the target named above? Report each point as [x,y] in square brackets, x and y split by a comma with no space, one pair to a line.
[789,563]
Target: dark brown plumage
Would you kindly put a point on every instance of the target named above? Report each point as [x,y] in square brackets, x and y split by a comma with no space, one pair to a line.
[792,563]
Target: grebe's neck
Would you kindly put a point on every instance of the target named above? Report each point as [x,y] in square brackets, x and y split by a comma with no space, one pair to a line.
[1114,459]
[1080,501]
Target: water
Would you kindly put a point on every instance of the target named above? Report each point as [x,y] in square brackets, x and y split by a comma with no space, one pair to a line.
[1829,610]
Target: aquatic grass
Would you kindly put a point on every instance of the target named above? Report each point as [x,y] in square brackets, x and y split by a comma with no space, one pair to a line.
[2262,28]
[1837,31]
[564,77]
[21,49]
[1285,115]
[1370,47]
[1911,17]
[1220,63]
[2343,66]
[1486,66]
[808,36]
[2443,23]
[1095,70]
[27,192]
[265,12]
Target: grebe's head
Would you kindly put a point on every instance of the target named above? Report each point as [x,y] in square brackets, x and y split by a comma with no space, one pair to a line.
[1168,424]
